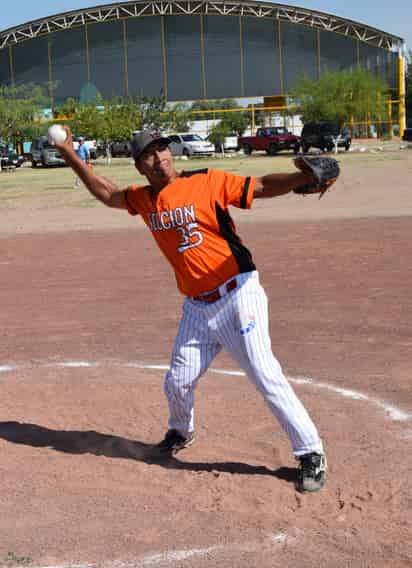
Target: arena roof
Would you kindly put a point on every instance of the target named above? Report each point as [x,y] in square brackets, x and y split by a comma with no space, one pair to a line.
[122,10]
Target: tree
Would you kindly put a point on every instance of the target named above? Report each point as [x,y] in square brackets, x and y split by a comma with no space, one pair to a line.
[218,134]
[151,111]
[233,120]
[178,118]
[67,110]
[408,96]
[86,120]
[341,97]
[20,107]
[207,106]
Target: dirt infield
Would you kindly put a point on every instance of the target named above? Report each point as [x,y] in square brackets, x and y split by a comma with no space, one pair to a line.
[88,314]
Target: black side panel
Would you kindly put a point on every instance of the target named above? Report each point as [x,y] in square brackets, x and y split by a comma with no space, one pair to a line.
[243,200]
[239,251]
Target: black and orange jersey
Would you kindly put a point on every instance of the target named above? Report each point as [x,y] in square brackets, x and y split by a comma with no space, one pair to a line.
[190,221]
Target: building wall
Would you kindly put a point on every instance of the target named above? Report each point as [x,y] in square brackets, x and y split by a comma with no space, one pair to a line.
[187,57]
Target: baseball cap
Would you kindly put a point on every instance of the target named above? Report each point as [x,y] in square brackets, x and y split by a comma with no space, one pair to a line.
[143,139]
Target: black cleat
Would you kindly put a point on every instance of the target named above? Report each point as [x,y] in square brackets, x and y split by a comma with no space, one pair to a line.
[312,473]
[173,442]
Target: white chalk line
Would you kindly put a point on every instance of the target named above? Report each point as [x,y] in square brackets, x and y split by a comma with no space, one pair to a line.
[393,412]
[174,556]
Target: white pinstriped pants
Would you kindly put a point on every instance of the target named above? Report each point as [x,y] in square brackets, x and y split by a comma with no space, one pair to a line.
[238,322]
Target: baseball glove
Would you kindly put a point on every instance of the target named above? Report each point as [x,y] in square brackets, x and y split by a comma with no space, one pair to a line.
[324,171]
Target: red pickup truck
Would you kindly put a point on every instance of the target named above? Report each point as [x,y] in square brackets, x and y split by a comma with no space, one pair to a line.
[272,139]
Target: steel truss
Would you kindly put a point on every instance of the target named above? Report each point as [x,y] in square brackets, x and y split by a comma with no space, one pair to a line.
[124,10]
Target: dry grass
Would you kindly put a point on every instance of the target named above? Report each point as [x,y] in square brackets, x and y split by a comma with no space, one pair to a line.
[54,187]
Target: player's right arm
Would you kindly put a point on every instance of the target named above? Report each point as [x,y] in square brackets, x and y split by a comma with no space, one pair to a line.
[100,187]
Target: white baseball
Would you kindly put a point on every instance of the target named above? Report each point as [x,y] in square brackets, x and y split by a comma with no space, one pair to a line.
[56,134]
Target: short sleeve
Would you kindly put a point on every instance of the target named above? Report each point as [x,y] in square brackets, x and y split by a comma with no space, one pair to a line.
[231,189]
[130,200]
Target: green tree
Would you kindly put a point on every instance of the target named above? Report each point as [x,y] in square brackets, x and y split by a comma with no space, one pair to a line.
[218,134]
[87,120]
[67,110]
[206,106]
[117,121]
[178,118]
[340,97]
[20,108]
[112,120]
[234,120]
[151,111]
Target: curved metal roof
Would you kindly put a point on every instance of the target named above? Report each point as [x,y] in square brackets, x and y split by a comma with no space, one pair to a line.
[130,9]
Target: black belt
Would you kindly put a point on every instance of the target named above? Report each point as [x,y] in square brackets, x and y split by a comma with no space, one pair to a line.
[215,295]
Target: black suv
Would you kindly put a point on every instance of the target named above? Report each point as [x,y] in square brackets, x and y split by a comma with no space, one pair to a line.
[324,135]
[120,148]
[407,135]
[9,158]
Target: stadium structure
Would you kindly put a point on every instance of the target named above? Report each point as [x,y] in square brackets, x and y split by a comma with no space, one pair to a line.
[191,50]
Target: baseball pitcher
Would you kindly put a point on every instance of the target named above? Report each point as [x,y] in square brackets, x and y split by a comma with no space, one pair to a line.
[225,305]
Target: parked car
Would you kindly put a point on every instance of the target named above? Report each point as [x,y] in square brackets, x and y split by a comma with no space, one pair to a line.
[230,144]
[324,135]
[42,152]
[121,148]
[407,135]
[90,143]
[188,144]
[9,157]
[271,139]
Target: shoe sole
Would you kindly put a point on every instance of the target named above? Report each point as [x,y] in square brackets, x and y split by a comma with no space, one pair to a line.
[160,453]
[312,485]
[183,446]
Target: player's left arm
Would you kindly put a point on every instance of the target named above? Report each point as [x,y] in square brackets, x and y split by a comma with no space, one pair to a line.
[314,175]
[274,185]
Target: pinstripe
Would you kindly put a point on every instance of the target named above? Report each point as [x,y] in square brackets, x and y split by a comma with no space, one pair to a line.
[255,356]
[192,354]
[204,329]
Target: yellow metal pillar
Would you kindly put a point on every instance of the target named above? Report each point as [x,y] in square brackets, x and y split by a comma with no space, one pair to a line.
[253,120]
[401,102]
[352,127]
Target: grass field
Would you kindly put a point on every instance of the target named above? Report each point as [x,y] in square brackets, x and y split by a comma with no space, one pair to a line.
[54,187]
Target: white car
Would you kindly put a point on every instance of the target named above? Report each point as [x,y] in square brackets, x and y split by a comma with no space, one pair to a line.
[188,144]
[230,144]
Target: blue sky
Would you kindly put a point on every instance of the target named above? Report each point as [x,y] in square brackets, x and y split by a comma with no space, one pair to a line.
[392,17]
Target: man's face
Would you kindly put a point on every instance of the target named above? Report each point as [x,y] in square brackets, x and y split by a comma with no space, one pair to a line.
[156,163]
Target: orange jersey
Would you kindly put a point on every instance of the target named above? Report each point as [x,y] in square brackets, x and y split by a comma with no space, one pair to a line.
[190,221]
